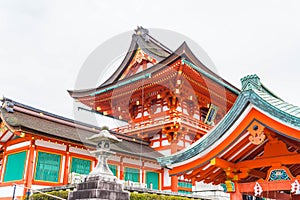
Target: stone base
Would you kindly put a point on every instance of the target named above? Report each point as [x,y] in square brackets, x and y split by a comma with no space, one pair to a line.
[98,189]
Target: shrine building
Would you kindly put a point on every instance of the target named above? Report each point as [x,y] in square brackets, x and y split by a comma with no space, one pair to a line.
[184,124]
[207,130]
[254,150]
[40,149]
[167,98]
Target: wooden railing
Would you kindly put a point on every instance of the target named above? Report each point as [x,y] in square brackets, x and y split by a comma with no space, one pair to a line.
[158,121]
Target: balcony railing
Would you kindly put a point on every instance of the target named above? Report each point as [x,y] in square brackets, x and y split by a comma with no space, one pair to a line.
[160,121]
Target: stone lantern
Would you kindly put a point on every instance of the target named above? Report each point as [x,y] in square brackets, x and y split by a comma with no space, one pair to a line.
[101,183]
[103,141]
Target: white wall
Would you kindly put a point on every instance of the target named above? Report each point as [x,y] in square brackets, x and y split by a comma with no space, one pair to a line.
[214,192]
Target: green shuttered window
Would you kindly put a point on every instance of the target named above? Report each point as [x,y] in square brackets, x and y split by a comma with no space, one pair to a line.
[15,165]
[80,166]
[131,174]
[152,177]
[184,184]
[47,167]
[113,168]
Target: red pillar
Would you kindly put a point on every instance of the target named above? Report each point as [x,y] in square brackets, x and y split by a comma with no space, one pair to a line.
[3,163]
[67,167]
[237,195]
[143,173]
[30,167]
[174,179]
[174,184]
[121,169]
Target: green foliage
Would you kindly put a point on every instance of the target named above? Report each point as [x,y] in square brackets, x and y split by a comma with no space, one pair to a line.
[146,196]
[133,196]
[38,196]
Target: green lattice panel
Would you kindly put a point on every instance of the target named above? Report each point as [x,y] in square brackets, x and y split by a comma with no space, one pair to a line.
[152,177]
[80,166]
[15,165]
[131,174]
[47,167]
[113,168]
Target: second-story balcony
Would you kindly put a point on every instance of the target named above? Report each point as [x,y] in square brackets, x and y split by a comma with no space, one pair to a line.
[164,122]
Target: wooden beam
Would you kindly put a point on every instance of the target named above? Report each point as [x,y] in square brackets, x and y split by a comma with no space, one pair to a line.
[257,173]
[267,185]
[218,162]
[252,114]
[257,163]
[197,171]
[204,174]
[271,161]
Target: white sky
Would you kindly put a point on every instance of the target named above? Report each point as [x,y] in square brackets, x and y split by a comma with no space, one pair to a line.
[43,44]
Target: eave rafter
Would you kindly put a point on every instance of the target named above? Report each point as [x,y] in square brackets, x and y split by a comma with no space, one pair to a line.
[243,169]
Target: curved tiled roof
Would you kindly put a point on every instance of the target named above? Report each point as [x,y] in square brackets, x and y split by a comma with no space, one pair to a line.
[162,54]
[279,104]
[38,122]
[253,93]
[140,40]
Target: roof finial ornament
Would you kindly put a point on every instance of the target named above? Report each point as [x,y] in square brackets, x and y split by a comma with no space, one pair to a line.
[251,82]
[8,106]
[142,32]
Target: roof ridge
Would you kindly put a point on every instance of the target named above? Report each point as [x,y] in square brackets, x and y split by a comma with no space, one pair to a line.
[144,33]
[72,121]
[75,122]
[159,43]
[253,83]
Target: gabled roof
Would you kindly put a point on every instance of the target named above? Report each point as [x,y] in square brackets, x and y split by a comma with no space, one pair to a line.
[183,52]
[20,117]
[140,40]
[253,95]
[271,102]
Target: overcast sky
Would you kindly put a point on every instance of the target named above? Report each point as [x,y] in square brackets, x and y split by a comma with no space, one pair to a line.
[43,44]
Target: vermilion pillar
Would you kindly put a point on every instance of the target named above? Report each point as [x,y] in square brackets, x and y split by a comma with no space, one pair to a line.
[121,169]
[143,172]
[67,166]
[237,195]
[30,166]
[174,179]
[174,184]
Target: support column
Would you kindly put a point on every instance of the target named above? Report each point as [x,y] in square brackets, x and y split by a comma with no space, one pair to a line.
[30,166]
[121,169]
[174,184]
[193,185]
[237,195]
[3,163]
[143,172]
[67,166]
[174,179]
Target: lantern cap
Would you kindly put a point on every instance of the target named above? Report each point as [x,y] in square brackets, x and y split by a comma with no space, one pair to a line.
[103,135]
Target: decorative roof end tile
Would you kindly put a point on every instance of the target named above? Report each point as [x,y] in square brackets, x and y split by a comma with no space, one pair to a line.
[251,82]
[142,32]
[8,106]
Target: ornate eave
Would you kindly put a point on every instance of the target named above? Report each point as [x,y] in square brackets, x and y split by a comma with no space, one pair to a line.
[107,99]
[230,140]
[138,42]
[17,119]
